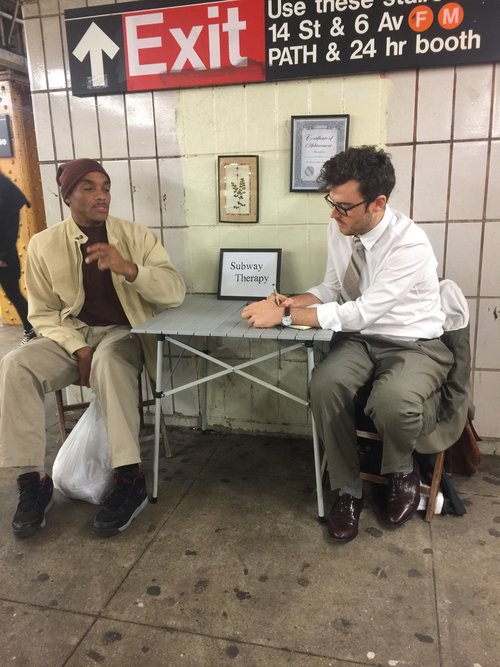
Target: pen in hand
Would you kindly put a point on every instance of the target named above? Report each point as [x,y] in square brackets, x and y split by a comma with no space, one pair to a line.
[276,299]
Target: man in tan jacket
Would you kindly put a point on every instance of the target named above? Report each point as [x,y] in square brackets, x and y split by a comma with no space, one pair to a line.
[89,279]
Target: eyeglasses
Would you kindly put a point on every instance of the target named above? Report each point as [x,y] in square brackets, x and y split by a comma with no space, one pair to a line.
[343,210]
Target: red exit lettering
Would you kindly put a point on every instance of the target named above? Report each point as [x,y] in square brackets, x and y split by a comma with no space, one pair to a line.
[195,45]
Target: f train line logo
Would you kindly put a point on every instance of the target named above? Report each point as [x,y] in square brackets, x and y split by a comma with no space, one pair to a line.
[449,17]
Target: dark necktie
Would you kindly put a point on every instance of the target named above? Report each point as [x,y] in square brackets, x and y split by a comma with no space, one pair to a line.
[350,285]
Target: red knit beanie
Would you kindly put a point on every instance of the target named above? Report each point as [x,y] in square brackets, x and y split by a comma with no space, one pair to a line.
[70,173]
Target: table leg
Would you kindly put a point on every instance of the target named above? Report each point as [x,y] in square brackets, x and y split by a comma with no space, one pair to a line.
[158,396]
[203,391]
[317,454]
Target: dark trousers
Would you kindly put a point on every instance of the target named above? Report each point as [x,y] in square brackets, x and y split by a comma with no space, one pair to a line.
[403,375]
[9,280]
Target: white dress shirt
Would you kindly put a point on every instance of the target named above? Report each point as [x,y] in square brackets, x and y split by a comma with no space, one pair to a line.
[399,282]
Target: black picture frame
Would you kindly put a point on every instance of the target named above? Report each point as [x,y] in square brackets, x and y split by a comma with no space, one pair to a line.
[315,139]
[248,273]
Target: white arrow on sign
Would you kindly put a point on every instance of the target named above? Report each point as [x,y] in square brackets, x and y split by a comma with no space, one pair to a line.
[95,42]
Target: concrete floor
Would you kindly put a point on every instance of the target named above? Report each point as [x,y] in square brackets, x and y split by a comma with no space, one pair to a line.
[231,567]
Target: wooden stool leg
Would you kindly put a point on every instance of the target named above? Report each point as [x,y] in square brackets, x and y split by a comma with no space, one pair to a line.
[60,414]
[435,484]
[164,436]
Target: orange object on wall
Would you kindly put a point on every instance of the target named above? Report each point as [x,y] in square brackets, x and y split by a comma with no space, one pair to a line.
[23,170]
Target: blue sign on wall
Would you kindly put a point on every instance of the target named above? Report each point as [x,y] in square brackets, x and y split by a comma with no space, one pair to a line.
[5,143]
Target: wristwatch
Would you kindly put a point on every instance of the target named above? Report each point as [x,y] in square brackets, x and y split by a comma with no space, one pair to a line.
[286,320]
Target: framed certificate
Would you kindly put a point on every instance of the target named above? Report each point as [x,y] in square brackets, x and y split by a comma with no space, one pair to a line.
[248,274]
[238,188]
[315,139]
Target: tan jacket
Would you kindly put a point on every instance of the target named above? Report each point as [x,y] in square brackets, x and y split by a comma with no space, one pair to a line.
[54,281]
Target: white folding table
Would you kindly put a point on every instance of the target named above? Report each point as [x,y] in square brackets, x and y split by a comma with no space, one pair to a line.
[205,316]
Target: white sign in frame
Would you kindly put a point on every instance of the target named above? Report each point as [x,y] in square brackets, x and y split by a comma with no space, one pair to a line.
[248,274]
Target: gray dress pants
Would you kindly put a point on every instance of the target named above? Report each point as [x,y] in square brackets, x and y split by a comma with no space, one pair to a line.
[41,366]
[404,374]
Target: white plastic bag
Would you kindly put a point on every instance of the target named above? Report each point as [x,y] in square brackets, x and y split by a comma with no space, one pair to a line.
[82,468]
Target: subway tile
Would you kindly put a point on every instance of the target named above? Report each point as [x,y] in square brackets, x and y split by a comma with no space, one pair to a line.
[488,338]
[200,190]
[271,180]
[292,100]
[185,402]
[140,125]
[48,7]
[401,107]
[36,58]
[112,126]
[490,273]
[432,164]
[70,4]
[172,192]
[473,305]
[61,125]
[436,234]
[463,249]
[435,99]
[362,100]
[65,51]
[493,200]
[84,123]
[468,180]
[174,240]
[198,135]
[315,270]
[495,131]
[486,393]
[203,246]
[30,10]
[472,102]
[230,121]
[145,194]
[294,242]
[51,198]
[402,157]
[166,104]
[121,191]
[262,236]
[51,32]
[43,126]
[327,96]
[234,236]
[260,136]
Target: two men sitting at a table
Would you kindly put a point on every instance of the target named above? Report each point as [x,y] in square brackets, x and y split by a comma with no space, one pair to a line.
[89,279]
[380,294]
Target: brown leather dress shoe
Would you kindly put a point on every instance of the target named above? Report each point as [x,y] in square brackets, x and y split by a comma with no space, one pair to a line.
[344,518]
[403,495]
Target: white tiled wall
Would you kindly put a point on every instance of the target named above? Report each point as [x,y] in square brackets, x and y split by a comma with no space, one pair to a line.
[455,197]
[161,149]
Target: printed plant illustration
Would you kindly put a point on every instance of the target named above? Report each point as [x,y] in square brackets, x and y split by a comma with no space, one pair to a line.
[239,191]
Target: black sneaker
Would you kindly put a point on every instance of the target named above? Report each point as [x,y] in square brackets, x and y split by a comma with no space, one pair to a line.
[35,500]
[127,499]
[28,335]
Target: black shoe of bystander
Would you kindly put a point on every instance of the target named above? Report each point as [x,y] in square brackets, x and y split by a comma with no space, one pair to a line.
[125,501]
[35,500]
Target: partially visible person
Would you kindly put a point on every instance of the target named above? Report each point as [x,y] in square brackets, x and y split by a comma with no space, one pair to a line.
[380,295]
[90,279]
[11,202]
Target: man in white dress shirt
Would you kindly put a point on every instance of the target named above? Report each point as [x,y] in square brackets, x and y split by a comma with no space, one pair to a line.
[383,303]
